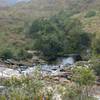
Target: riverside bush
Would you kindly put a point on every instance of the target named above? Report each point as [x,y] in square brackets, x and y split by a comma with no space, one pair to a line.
[58,35]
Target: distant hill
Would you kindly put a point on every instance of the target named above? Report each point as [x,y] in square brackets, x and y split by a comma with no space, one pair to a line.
[15,16]
[39,8]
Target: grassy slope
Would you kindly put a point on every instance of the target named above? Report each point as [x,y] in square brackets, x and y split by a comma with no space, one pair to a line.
[91,24]
[12,20]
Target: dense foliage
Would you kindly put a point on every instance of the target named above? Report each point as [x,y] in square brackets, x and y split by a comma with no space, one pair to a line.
[19,54]
[83,76]
[58,36]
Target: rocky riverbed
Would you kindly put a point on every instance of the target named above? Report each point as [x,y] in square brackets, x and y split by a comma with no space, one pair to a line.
[58,71]
[46,69]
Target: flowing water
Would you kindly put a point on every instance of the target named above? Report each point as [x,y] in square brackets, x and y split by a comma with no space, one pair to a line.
[53,68]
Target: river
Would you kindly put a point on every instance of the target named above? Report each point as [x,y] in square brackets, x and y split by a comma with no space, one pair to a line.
[53,68]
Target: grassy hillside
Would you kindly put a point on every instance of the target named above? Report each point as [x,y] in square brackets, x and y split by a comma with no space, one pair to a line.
[14,19]
[16,16]
[91,24]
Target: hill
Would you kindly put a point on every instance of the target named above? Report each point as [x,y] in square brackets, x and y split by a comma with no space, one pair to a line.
[15,18]
[27,11]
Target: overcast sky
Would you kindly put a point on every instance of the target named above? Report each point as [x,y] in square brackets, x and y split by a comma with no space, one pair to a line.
[12,1]
[4,3]
[22,0]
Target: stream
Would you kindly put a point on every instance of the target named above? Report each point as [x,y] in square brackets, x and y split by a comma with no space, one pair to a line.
[51,69]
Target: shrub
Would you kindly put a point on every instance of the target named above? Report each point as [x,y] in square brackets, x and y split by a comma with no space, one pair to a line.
[83,76]
[96,66]
[58,35]
[96,46]
[6,54]
[22,54]
[25,88]
[90,14]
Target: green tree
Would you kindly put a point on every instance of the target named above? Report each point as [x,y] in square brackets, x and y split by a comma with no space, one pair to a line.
[58,35]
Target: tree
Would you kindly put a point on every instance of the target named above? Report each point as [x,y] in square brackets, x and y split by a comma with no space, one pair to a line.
[58,36]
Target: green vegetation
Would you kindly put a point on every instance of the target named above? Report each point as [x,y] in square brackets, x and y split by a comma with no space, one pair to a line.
[33,88]
[15,19]
[58,36]
[55,28]
[83,76]
[19,54]
[85,79]
[6,54]
[90,14]
[22,54]
[96,66]
[96,46]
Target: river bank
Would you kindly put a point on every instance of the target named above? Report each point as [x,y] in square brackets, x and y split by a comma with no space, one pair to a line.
[58,73]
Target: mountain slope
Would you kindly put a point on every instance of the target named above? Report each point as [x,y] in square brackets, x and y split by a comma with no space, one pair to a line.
[14,18]
[44,8]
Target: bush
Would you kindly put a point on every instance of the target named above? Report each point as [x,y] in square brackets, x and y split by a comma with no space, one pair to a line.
[6,54]
[22,54]
[24,88]
[58,35]
[83,76]
[96,46]
[34,88]
[90,14]
[96,66]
